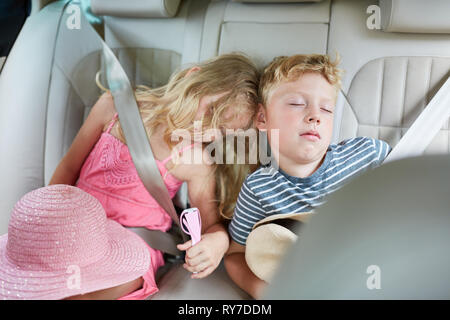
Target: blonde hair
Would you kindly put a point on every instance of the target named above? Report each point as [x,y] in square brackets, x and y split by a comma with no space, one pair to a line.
[175,105]
[286,69]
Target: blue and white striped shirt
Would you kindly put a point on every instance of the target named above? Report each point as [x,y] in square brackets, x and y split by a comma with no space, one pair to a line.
[265,194]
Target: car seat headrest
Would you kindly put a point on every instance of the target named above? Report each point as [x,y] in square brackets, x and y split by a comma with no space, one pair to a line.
[409,16]
[136,8]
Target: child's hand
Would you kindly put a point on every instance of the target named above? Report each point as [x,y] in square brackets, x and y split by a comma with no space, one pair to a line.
[204,257]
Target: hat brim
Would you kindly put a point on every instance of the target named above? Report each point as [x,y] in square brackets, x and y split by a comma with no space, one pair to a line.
[126,259]
[302,217]
[266,247]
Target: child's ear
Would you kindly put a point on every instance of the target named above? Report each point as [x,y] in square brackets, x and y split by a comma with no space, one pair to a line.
[260,119]
[192,70]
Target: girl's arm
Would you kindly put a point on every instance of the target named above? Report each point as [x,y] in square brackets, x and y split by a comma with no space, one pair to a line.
[206,255]
[201,189]
[68,169]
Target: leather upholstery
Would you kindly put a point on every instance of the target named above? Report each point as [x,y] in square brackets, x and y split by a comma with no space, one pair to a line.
[47,84]
[410,16]
[136,8]
[265,30]
[400,88]
[363,51]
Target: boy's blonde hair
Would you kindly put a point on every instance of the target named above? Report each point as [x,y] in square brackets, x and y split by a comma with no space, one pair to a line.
[287,69]
[175,105]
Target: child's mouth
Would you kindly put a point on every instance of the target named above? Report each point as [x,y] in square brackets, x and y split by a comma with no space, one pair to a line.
[311,136]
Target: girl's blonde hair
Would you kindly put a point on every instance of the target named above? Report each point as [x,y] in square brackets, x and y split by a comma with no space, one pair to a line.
[285,68]
[175,105]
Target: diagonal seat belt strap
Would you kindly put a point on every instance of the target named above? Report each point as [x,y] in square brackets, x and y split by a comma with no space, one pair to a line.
[136,135]
[425,127]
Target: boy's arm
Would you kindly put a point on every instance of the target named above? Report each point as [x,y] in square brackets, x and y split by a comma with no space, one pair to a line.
[383,149]
[248,210]
[378,149]
[240,273]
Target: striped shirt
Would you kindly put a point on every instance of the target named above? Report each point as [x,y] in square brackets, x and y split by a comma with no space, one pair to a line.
[265,193]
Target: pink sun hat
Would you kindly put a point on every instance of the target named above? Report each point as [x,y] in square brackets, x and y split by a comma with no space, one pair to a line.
[60,244]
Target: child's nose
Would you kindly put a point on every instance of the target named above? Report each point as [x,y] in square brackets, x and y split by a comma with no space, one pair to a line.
[313,116]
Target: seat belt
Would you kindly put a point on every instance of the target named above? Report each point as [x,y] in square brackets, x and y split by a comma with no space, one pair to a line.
[140,151]
[425,127]
[139,147]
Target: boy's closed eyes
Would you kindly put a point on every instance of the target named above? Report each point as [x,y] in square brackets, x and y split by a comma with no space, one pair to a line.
[303,104]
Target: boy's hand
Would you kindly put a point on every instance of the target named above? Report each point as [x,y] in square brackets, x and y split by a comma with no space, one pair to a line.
[204,257]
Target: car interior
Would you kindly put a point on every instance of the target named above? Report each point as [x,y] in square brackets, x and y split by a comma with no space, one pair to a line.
[395,55]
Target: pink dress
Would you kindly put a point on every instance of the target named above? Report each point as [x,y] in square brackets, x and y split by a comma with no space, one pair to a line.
[110,175]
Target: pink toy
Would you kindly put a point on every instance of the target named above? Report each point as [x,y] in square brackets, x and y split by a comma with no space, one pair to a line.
[190,219]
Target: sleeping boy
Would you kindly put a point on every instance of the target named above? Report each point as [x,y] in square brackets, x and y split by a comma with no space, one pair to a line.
[298,96]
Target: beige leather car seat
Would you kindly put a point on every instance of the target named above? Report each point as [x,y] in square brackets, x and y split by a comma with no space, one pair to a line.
[392,72]
[262,31]
[265,30]
[47,85]
[47,90]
